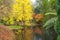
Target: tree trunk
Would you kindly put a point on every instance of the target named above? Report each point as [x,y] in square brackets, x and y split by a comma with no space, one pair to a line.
[28,34]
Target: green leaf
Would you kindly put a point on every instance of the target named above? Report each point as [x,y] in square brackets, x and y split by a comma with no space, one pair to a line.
[51,13]
[50,23]
[58,38]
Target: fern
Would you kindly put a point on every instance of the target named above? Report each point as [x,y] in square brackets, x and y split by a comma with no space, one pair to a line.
[50,23]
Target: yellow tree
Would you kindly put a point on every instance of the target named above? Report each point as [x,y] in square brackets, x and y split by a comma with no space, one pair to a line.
[18,10]
[22,10]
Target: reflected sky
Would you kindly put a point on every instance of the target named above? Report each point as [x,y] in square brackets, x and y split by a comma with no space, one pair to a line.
[34,2]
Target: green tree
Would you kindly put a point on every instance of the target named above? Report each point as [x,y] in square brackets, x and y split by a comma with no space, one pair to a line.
[58,21]
[48,5]
[45,6]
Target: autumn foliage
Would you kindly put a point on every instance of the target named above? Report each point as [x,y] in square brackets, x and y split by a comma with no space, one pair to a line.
[6,34]
[38,17]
